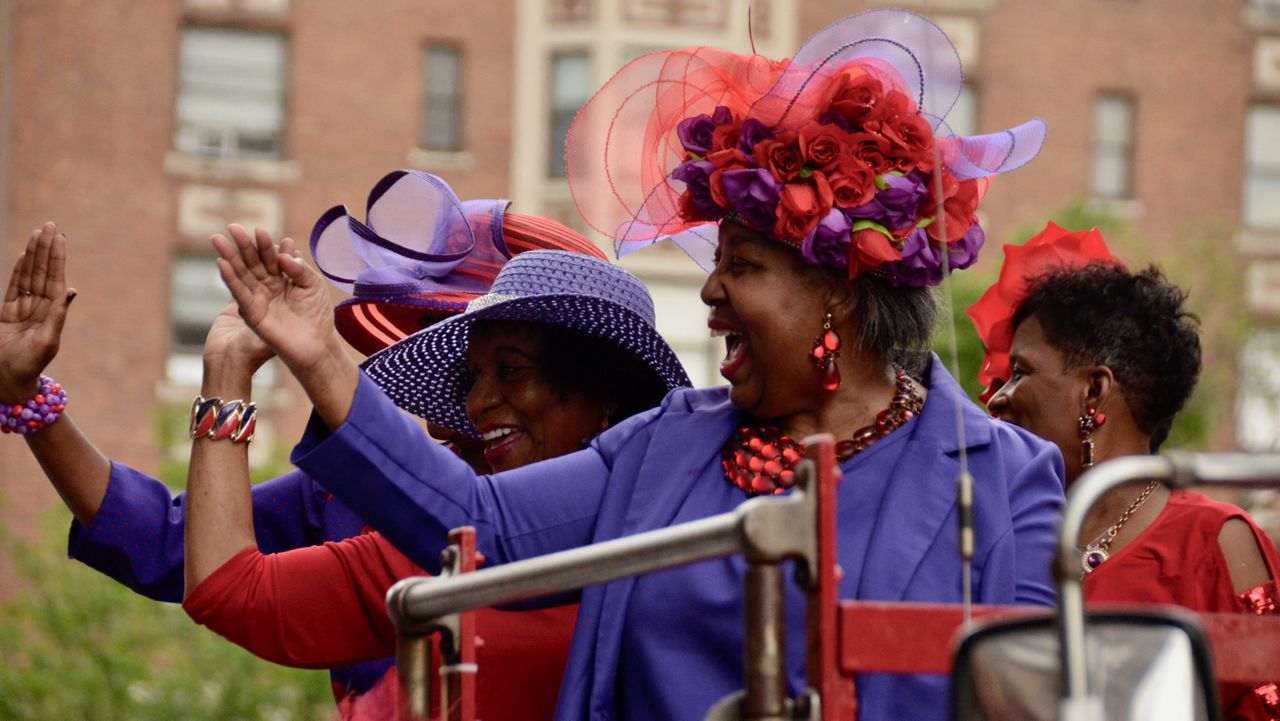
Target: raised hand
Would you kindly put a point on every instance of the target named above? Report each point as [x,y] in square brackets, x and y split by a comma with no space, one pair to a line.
[34,310]
[284,301]
[280,297]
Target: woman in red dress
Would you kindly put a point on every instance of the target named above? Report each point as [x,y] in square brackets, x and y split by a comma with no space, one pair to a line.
[1099,359]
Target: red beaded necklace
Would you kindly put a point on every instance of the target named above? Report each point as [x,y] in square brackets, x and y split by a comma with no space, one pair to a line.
[760,459]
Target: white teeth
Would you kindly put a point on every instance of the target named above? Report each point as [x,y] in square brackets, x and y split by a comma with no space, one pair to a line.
[718,332]
[497,433]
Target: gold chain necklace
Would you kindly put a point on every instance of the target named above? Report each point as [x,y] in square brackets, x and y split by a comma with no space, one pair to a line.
[1100,550]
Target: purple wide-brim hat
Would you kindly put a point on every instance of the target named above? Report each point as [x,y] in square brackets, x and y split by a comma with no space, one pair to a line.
[426,373]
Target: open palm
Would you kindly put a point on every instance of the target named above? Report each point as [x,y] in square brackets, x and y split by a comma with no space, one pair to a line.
[33,314]
[280,297]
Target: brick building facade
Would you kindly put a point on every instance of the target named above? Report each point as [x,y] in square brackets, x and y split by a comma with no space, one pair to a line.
[142,127]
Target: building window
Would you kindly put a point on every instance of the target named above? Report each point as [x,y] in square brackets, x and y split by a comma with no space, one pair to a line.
[1112,147]
[963,118]
[1258,419]
[568,11]
[1262,167]
[442,98]
[196,296]
[570,88]
[231,93]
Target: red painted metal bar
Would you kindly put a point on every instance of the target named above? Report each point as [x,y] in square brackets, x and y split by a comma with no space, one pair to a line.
[834,688]
[919,638]
[458,676]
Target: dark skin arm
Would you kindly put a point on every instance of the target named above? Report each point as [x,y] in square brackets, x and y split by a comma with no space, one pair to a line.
[31,323]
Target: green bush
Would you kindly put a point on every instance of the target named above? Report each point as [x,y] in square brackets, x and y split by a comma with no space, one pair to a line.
[80,646]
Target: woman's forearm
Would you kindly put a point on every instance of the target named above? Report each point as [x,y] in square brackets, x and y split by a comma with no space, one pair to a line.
[219,501]
[76,468]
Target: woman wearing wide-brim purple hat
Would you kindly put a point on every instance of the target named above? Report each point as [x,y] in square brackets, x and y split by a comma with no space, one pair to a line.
[419,255]
[805,188]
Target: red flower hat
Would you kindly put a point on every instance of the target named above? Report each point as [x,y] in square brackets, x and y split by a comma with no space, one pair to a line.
[1053,247]
[842,141]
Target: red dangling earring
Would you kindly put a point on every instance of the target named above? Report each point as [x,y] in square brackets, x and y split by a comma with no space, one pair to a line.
[1089,421]
[826,349]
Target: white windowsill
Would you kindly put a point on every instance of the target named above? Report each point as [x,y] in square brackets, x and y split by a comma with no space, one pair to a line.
[1259,241]
[202,167]
[1130,209]
[444,160]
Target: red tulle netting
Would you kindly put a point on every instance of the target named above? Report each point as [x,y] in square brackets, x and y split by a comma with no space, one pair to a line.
[1053,247]
[624,145]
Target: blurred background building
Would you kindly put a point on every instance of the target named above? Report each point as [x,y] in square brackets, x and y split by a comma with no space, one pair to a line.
[141,127]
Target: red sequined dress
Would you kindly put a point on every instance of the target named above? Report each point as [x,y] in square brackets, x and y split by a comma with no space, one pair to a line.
[1177,560]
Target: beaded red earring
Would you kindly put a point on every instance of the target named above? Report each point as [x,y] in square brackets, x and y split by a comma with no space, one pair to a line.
[826,349]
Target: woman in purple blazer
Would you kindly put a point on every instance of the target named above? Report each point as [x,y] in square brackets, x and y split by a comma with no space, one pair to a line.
[804,188]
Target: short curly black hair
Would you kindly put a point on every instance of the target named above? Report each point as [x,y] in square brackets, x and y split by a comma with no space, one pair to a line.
[1135,323]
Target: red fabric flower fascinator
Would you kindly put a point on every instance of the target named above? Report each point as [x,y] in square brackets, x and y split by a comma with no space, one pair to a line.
[834,152]
[422,253]
[1053,247]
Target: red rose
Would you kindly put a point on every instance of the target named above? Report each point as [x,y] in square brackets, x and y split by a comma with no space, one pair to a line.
[727,159]
[868,250]
[724,136]
[910,140]
[895,104]
[800,206]
[822,145]
[960,201]
[780,155]
[873,150]
[854,100]
[853,183]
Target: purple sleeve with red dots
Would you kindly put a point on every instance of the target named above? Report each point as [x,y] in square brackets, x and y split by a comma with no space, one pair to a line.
[137,536]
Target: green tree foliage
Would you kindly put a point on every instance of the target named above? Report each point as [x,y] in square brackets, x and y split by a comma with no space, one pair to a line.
[79,646]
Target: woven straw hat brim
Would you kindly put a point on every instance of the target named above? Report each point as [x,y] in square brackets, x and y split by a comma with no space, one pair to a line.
[425,373]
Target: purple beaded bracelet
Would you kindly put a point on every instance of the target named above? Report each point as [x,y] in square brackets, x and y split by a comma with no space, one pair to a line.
[37,413]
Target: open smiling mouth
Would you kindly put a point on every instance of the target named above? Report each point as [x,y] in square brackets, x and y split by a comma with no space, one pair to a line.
[735,355]
[499,441]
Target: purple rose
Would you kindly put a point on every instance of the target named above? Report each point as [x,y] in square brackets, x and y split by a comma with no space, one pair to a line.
[753,195]
[964,252]
[828,243]
[921,264]
[897,204]
[752,132]
[696,175]
[695,132]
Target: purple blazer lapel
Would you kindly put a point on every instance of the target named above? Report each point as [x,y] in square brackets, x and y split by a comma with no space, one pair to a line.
[922,492]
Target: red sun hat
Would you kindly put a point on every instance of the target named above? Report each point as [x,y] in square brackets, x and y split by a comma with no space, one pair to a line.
[422,254]
[1053,247]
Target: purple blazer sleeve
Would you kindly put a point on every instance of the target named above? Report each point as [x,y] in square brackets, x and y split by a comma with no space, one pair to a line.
[382,465]
[137,536]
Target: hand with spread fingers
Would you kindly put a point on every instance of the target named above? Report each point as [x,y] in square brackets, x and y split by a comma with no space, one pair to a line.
[284,301]
[229,339]
[34,310]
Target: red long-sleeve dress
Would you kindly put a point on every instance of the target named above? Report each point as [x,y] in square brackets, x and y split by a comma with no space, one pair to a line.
[1177,561]
[324,606]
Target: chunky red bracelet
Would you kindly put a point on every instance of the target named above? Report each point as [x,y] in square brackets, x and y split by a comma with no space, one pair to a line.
[213,418]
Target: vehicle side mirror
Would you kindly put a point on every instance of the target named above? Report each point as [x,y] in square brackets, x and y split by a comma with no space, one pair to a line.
[1143,665]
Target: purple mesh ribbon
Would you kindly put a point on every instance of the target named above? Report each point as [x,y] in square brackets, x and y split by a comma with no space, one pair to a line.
[418,237]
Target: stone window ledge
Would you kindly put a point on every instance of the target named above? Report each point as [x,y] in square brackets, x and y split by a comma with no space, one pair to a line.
[441,160]
[191,166]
